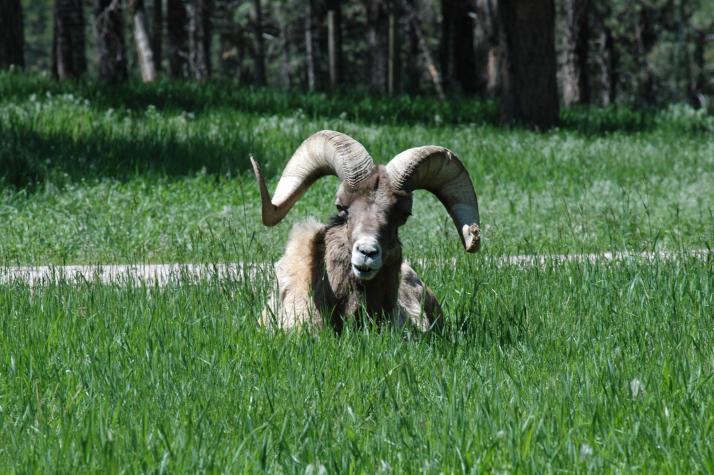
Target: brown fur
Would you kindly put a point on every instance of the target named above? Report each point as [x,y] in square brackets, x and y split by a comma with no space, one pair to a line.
[316,285]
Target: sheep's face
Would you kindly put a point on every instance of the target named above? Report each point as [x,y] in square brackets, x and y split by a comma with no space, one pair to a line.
[371,215]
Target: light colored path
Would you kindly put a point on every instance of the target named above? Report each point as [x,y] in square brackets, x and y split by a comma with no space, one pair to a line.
[162,274]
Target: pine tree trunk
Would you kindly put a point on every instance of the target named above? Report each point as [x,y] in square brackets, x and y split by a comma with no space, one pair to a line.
[492,52]
[699,78]
[377,45]
[142,42]
[458,56]
[228,38]
[200,38]
[109,26]
[426,57]
[285,68]
[413,72]
[176,25]
[332,48]
[309,47]
[69,60]
[607,63]
[576,86]
[260,77]
[334,27]
[11,34]
[157,37]
[530,93]
[645,39]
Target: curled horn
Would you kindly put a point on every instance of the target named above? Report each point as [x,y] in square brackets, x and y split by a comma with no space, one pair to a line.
[323,153]
[439,171]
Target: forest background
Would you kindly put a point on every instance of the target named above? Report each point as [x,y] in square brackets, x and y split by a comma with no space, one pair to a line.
[533,55]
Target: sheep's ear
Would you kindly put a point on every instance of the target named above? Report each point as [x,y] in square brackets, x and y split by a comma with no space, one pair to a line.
[439,170]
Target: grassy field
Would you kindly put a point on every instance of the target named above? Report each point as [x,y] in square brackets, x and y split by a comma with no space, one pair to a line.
[604,366]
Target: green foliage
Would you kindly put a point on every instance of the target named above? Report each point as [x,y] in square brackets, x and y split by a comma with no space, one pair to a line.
[156,182]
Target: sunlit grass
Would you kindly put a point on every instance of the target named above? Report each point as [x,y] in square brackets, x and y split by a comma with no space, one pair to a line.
[577,367]
[604,366]
[89,183]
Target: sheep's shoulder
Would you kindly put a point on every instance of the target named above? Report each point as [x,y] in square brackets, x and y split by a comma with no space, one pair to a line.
[417,303]
[296,272]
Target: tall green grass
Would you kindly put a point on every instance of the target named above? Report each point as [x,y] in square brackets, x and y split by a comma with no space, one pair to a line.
[566,367]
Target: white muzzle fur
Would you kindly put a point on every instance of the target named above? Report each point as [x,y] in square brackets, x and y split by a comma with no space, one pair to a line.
[366,258]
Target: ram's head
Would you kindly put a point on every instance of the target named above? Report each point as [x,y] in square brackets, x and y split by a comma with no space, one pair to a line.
[373,201]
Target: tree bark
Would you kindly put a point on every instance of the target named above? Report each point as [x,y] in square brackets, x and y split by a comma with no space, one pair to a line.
[309,47]
[530,90]
[260,77]
[335,41]
[176,24]
[576,85]
[392,59]
[142,41]
[229,39]
[12,41]
[426,57]
[413,72]
[68,54]
[377,45]
[645,39]
[458,56]
[285,68]
[158,31]
[109,26]
[607,64]
[491,54]
[200,38]
[699,78]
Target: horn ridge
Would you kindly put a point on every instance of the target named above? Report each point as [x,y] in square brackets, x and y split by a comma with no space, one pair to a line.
[439,171]
[326,152]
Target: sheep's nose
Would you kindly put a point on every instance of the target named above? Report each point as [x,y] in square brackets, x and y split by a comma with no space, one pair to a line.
[368,247]
[368,250]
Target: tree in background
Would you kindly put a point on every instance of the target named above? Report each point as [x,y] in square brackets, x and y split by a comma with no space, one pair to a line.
[142,41]
[490,53]
[645,37]
[377,44]
[259,50]
[607,55]
[334,39]
[177,28]
[458,57]
[11,34]
[200,38]
[69,59]
[576,48]
[109,28]
[530,94]
[642,52]
[425,57]
[309,46]
[157,29]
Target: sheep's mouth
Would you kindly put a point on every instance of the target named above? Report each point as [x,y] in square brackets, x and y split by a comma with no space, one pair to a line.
[364,272]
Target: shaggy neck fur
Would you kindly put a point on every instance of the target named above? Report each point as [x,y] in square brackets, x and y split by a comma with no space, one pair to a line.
[341,294]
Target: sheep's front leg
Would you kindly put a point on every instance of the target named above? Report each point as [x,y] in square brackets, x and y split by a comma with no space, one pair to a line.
[417,303]
[291,305]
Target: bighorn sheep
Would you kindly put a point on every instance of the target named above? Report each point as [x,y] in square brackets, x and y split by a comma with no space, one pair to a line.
[354,264]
